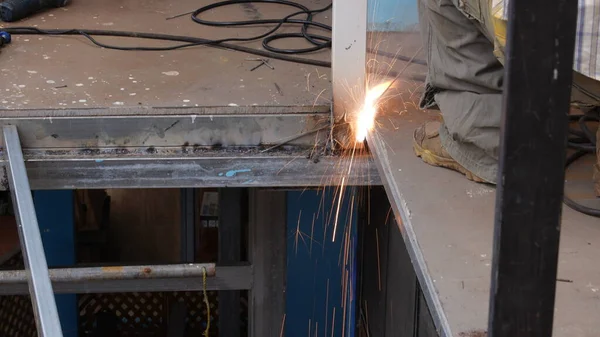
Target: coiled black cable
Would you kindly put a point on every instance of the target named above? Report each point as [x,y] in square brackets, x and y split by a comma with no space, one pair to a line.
[319,42]
[191,41]
[583,141]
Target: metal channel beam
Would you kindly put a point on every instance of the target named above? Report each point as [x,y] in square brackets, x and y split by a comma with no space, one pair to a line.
[149,128]
[225,278]
[40,288]
[348,55]
[541,40]
[117,168]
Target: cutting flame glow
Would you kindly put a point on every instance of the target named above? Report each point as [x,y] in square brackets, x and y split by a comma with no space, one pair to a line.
[365,121]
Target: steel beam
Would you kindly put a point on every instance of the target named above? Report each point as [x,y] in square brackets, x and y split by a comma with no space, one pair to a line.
[541,40]
[224,278]
[40,288]
[173,168]
[348,55]
[159,127]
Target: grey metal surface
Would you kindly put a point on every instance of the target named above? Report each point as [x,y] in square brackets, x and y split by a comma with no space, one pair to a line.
[189,167]
[150,111]
[65,72]
[189,128]
[225,278]
[40,288]
[115,273]
[447,224]
[386,157]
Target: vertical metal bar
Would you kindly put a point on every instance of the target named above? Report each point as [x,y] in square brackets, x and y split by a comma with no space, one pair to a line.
[40,288]
[268,254]
[348,54]
[541,36]
[188,222]
[231,210]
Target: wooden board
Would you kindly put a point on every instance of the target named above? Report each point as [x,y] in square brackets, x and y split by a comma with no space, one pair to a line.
[447,223]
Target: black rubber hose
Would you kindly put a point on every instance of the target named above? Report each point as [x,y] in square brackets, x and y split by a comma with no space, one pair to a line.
[584,142]
[318,41]
[191,41]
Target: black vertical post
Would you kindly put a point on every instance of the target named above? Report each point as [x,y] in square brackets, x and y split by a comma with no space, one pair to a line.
[541,39]
[231,210]
[188,224]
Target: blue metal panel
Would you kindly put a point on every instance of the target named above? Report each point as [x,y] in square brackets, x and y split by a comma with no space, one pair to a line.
[54,210]
[317,285]
[392,15]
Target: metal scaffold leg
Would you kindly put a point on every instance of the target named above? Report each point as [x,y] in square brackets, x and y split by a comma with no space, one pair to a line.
[40,288]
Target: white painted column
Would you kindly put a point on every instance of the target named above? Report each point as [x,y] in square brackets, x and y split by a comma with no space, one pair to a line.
[348,55]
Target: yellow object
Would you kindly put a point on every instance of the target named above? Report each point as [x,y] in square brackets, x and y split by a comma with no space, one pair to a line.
[206,302]
[499,30]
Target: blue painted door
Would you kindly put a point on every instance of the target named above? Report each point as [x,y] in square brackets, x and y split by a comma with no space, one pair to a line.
[54,210]
[321,268]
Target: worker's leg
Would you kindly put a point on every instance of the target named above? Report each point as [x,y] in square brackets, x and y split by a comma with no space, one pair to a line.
[597,165]
[465,82]
[586,95]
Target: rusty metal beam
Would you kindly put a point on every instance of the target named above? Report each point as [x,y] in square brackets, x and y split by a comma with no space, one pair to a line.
[115,273]
[75,281]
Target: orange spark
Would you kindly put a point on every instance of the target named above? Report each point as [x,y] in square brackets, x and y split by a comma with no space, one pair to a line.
[365,120]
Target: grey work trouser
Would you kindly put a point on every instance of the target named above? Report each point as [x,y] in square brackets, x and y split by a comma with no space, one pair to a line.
[465,81]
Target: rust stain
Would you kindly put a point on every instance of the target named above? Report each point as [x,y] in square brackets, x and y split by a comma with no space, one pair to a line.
[112,269]
[473,333]
[147,270]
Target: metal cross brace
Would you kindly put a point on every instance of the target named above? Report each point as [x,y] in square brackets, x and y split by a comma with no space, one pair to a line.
[263,62]
[40,288]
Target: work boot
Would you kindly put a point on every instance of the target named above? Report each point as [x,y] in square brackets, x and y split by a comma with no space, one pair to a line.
[428,145]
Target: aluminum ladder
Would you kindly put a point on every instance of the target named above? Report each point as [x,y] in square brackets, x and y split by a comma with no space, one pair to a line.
[38,279]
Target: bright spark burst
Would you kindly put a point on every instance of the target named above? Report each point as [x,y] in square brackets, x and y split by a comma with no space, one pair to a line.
[365,121]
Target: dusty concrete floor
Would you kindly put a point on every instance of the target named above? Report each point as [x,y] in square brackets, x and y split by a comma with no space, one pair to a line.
[62,72]
[70,72]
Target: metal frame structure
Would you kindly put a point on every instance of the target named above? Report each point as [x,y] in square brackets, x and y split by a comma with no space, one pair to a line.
[177,148]
[162,147]
[144,147]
